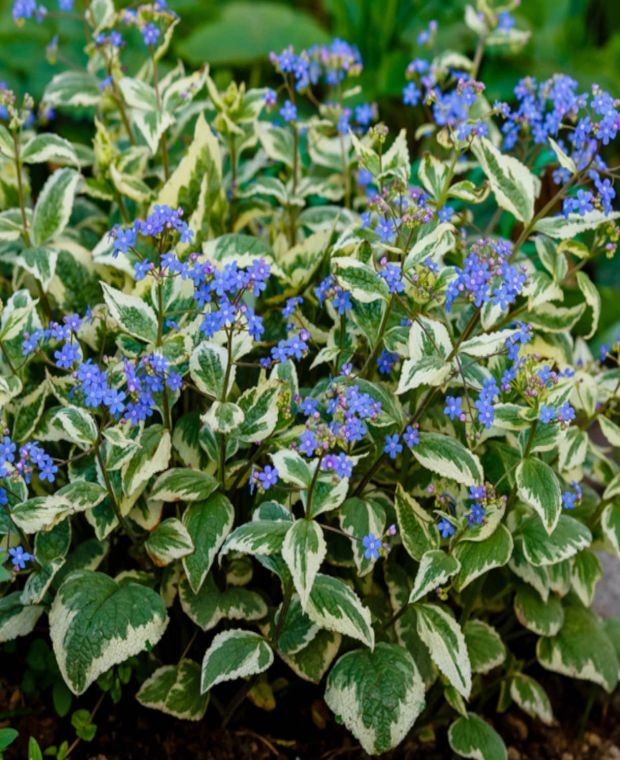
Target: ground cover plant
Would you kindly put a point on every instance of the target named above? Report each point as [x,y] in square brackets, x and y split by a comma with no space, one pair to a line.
[285,390]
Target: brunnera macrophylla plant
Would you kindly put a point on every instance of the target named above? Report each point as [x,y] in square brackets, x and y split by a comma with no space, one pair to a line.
[318,393]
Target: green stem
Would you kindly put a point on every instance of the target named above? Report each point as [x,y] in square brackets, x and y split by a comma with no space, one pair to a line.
[20,190]
[108,484]
[163,141]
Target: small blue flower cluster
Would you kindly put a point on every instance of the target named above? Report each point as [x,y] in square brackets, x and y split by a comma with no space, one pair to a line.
[30,458]
[347,410]
[564,413]
[451,108]
[19,557]
[26,9]
[580,122]
[66,332]
[393,447]
[572,498]
[161,221]
[329,63]
[329,290]
[487,275]
[374,545]
[263,478]
[141,379]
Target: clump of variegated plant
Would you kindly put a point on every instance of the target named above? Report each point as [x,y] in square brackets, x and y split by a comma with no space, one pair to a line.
[319,393]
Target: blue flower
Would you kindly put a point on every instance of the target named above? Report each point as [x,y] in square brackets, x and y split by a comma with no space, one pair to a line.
[411,94]
[386,362]
[150,34]
[372,546]
[288,111]
[19,557]
[446,528]
[453,407]
[546,413]
[411,436]
[392,447]
[67,356]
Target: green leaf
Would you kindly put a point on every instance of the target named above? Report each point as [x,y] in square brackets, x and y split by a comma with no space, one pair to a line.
[210,605]
[432,245]
[183,484]
[151,457]
[540,548]
[429,348]
[313,661]
[448,457]
[260,412]
[358,518]
[234,654]
[292,468]
[446,644]
[586,572]
[28,412]
[581,649]
[208,523]
[168,542]
[72,88]
[49,147]
[531,698]
[7,737]
[175,690]
[377,695]
[417,530]
[304,550]
[44,512]
[515,188]
[223,417]
[96,622]
[542,617]
[54,205]
[486,344]
[360,279]
[593,299]
[478,557]
[244,32]
[133,315]
[332,605]
[538,486]
[436,568]
[610,523]
[433,174]
[573,448]
[484,645]
[261,537]
[40,263]
[565,228]
[207,366]
[17,619]
[473,737]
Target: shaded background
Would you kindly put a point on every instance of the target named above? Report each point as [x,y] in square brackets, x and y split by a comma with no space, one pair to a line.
[577,37]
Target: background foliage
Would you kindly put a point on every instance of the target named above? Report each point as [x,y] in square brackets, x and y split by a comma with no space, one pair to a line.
[577,37]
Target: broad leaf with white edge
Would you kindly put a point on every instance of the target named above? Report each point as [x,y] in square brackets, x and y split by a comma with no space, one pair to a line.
[182,484]
[304,550]
[133,315]
[582,649]
[470,736]
[531,698]
[332,605]
[96,623]
[485,647]
[377,695]
[538,486]
[208,523]
[448,458]
[234,654]
[54,205]
[175,690]
[446,644]
[435,570]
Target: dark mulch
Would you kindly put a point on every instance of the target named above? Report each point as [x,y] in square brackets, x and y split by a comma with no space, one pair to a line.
[303,727]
